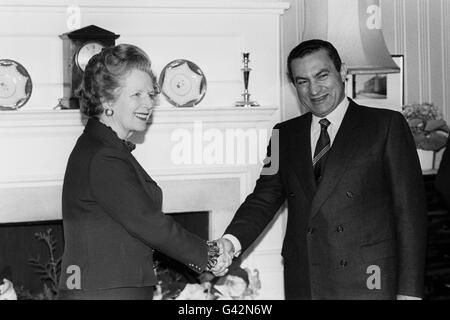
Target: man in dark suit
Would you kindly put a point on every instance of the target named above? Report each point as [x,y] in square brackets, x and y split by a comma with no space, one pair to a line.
[356,224]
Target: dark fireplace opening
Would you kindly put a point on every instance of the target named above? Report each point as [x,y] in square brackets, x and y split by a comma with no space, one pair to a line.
[19,243]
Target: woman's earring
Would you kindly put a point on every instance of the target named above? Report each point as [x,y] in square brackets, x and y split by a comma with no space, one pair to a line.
[109,112]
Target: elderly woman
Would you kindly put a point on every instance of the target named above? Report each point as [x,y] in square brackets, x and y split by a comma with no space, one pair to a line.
[111,207]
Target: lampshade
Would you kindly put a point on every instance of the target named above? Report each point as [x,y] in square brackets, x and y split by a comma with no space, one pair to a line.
[354,28]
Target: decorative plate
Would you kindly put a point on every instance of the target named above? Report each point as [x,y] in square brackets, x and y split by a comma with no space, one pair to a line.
[183,83]
[15,85]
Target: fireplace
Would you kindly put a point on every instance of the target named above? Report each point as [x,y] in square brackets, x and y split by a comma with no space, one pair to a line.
[38,140]
[31,188]
[19,244]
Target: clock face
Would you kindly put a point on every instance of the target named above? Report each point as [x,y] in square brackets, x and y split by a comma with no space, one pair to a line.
[86,52]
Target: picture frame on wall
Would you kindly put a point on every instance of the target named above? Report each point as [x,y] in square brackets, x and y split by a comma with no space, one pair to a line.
[378,90]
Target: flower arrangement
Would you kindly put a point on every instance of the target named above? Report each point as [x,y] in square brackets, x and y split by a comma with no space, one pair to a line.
[429,129]
[175,281]
[7,291]
[238,284]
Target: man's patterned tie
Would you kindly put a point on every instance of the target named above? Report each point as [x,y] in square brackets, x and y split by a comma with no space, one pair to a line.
[322,148]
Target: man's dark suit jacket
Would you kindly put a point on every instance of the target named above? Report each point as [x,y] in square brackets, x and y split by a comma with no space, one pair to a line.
[112,217]
[443,176]
[368,210]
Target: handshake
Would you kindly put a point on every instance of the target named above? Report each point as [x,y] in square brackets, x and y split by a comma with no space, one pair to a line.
[220,255]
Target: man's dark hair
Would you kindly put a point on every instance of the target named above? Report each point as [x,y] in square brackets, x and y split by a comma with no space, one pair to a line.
[310,46]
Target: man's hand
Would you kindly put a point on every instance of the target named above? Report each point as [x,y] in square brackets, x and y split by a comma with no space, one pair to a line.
[226,251]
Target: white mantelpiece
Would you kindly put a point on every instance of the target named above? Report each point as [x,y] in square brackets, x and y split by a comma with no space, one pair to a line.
[36,145]
[62,118]
[212,34]
[35,141]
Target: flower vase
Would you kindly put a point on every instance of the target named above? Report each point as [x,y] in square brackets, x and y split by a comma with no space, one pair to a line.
[426,158]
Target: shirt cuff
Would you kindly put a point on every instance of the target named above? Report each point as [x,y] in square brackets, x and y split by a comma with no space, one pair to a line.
[235,242]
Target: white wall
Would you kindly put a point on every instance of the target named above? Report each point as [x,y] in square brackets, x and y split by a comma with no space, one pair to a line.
[420,29]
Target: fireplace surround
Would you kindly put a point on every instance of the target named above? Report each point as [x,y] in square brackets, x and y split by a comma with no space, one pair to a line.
[39,143]
[19,245]
[35,141]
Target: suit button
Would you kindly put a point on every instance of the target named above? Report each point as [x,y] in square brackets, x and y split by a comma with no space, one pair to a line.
[292,195]
[340,228]
[343,263]
[349,194]
[311,230]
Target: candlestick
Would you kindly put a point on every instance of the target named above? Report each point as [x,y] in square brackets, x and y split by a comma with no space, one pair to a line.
[246,72]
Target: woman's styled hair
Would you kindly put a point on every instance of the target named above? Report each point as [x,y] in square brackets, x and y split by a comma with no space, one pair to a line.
[104,72]
[310,46]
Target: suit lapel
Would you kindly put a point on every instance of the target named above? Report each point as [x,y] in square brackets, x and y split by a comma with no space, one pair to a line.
[300,155]
[343,149]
